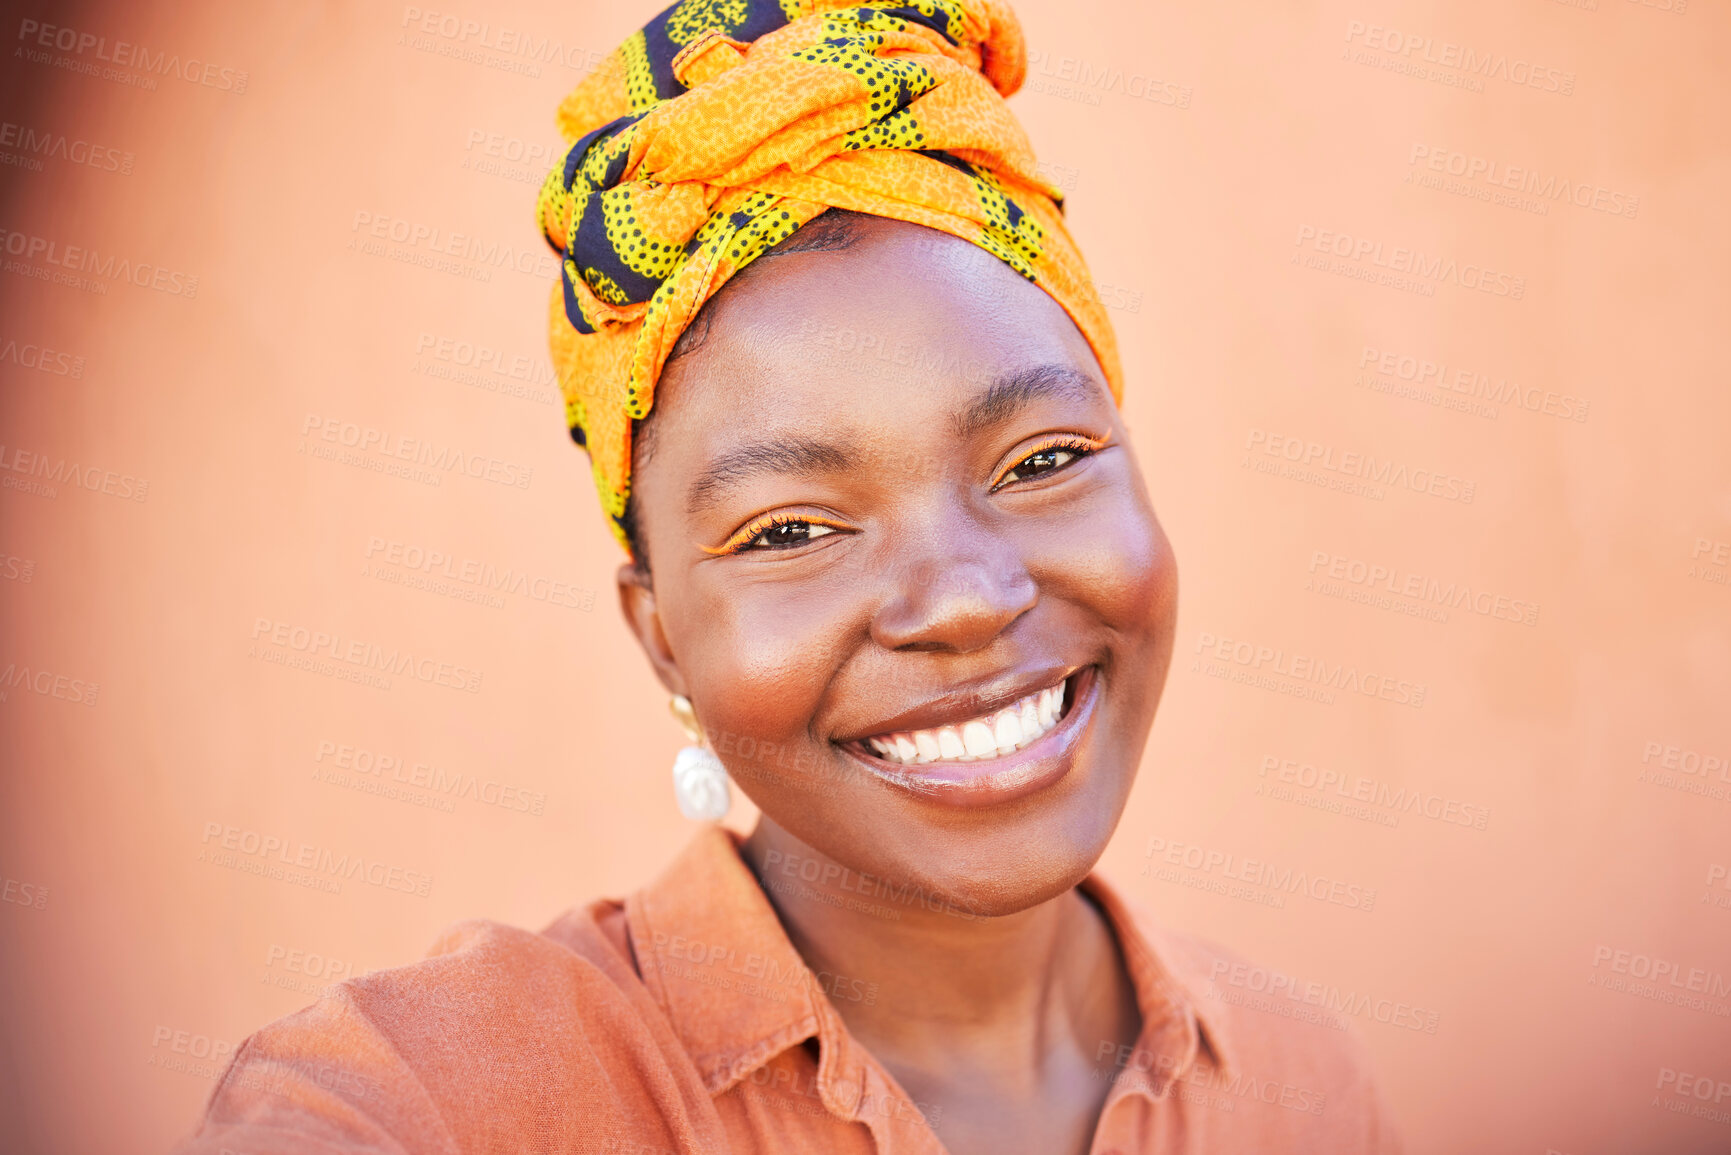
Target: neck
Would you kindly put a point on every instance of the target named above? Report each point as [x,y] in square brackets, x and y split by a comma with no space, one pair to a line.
[932,990]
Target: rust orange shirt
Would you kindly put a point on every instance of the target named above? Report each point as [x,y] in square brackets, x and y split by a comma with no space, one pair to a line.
[682,1020]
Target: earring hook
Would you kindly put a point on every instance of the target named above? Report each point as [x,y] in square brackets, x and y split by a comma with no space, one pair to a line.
[680,707]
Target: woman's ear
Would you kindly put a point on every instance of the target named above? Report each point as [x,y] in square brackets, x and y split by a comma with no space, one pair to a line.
[637,603]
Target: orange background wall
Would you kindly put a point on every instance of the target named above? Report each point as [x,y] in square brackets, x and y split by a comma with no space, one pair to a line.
[1247,180]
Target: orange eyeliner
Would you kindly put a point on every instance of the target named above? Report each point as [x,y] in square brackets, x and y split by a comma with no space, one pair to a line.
[1077,441]
[744,535]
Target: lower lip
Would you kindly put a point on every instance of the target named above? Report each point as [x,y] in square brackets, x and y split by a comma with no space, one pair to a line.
[995,781]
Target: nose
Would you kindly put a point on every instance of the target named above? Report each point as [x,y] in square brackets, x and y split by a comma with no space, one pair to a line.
[955,598]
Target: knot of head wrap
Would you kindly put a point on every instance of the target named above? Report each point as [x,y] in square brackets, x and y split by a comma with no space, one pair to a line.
[722,126]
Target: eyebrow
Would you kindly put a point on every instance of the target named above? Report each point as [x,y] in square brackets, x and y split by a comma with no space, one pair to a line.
[1020,388]
[807,457]
[800,456]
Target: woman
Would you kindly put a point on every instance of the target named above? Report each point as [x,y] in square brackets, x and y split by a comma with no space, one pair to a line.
[851,405]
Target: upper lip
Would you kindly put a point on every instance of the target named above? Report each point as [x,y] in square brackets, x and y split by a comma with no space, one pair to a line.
[986,696]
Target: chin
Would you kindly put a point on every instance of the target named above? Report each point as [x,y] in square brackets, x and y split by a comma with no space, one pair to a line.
[973,861]
[1005,867]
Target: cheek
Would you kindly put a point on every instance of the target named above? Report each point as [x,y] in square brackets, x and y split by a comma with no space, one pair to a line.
[757,662]
[1118,564]
[1151,595]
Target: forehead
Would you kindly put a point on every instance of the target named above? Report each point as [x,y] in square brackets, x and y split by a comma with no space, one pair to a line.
[902,323]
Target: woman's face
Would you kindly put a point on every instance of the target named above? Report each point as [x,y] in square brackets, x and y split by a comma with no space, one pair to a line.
[905,567]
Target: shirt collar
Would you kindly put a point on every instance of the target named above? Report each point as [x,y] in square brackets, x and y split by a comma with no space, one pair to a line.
[1178,1029]
[714,955]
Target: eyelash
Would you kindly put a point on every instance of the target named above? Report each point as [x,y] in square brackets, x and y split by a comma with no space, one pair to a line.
[741,541]
[1069,442]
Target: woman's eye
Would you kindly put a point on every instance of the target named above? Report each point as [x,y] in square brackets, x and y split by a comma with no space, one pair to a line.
[787,533]
[1043,461]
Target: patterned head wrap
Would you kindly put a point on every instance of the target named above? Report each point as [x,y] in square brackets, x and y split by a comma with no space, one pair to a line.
[724,125]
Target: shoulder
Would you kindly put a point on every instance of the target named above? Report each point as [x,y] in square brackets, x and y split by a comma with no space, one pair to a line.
[498,1038]
[1278,1039]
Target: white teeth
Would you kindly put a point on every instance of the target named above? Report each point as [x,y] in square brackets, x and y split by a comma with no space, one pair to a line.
[994,735]
[977,737]
[1031,724]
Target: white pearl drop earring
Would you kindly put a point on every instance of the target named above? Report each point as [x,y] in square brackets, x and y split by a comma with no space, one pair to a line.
[699,778]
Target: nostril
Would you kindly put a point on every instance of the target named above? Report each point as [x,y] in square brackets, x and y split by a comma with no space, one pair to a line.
[966,612]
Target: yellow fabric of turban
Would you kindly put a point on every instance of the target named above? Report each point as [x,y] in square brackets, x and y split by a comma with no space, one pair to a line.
[724,125]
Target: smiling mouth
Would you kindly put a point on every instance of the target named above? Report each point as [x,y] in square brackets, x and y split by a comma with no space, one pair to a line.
[995,735]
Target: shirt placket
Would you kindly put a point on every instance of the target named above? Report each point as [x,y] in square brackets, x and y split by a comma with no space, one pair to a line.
[1127,1117]
[897,1125]
[1142,1087]
[855,1087]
